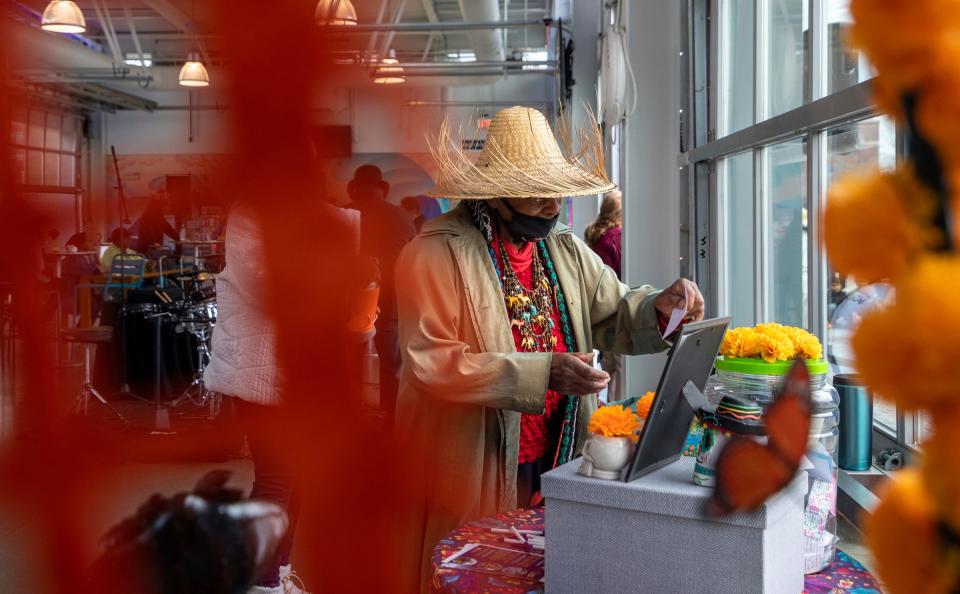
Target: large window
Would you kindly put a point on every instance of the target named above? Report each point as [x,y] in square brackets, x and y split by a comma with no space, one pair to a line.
[779,111]
[45,146]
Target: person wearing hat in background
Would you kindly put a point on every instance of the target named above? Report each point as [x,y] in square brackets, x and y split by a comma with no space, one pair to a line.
[384,229]
[500,309]
[118,238]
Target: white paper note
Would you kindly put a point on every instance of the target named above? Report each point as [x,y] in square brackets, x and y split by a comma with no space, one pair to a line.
[675,318]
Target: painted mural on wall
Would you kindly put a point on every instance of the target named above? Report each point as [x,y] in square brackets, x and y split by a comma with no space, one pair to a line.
[144,176]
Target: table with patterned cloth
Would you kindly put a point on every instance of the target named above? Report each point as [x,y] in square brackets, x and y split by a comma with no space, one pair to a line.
[845,574]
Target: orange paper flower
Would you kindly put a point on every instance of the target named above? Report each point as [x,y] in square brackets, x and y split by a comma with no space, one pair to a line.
[614,421]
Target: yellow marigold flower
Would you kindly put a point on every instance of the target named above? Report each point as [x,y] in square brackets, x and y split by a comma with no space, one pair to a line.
[908,352]
[906,514]
[614,421]
[867,230]
[775,346]
[772,342]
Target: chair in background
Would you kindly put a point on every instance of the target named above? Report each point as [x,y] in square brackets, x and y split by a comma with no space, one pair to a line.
[90,337]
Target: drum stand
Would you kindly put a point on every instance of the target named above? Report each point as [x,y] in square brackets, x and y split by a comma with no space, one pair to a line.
[161,422]
[197,392]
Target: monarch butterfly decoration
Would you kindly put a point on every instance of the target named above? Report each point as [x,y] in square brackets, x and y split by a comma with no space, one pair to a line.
[748,472]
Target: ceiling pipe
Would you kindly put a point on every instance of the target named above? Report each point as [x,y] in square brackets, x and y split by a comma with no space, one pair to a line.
[388,38]
[453,26]
[431,12]
[454,65]
[487,42]
[372,44]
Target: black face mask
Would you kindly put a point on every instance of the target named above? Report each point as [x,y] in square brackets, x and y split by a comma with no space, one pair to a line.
[526,227]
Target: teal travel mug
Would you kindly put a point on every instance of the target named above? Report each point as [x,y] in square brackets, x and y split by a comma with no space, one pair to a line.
[856,422]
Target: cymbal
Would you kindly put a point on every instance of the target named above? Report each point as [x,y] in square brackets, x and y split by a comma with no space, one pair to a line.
[200,276]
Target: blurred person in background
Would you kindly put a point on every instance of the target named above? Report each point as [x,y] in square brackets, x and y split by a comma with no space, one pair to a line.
[153,225]
[384,229]
[244,366]
[412,205]
[603,236]
[119,237]
[500,309]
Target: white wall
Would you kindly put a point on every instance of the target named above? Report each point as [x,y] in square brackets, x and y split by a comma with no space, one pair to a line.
[651,177]
[168,132]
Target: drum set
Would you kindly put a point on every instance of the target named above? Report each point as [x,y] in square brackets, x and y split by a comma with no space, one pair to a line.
[191,315]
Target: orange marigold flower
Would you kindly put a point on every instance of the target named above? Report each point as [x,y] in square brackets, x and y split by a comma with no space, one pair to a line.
[644,404]
[867,229]
[908,352]
[614,421]
[906,514]
[941,467]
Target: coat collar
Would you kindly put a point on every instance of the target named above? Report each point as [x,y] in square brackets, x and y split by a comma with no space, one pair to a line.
[482,287]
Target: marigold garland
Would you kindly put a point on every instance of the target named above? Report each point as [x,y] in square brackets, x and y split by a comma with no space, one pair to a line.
[868,230]
[614,421]
[771,342]
[882,227]
[908,352]
[907,514]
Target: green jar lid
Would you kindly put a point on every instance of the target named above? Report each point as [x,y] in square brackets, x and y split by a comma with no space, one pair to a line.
[761,367]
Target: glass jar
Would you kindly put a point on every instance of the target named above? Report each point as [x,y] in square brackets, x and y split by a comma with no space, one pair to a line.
[758,381]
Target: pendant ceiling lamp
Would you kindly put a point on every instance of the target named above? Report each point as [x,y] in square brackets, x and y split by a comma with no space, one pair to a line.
[63,16]
[389,72]
[335,12]
[194,73]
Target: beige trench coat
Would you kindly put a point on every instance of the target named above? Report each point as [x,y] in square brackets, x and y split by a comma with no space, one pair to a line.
[463,386]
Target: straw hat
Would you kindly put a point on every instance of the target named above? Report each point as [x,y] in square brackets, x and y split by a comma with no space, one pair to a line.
[521,159]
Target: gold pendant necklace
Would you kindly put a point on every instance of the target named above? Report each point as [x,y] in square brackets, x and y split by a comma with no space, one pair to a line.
[529,311]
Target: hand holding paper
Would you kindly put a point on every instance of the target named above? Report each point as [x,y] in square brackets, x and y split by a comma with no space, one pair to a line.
[684,295]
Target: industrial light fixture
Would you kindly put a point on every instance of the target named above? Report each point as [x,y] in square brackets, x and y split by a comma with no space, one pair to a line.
[391,73]
[63,16]
[335,12]
[194,73]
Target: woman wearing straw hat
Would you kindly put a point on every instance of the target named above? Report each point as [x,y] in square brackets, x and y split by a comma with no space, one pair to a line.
[500,310]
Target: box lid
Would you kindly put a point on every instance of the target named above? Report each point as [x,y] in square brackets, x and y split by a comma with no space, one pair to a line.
[669,491]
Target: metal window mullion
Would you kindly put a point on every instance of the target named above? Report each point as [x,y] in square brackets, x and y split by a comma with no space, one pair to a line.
[722,252]
[761,259]
[814,52]
[853,103]
[714,41]
[760,61]
[816,291]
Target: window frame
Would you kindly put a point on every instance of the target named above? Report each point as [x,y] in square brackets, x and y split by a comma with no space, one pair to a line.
[702,152]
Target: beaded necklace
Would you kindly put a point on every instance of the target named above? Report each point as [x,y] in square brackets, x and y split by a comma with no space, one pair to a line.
[482,218]
[529,310]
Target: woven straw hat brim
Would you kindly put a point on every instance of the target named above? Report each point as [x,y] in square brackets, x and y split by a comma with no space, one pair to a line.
[486,183]
[520,159]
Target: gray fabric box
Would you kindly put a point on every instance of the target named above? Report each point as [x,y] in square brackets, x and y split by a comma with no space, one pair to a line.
[651,536]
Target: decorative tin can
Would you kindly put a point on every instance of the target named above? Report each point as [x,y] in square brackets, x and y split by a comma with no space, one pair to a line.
[733,416]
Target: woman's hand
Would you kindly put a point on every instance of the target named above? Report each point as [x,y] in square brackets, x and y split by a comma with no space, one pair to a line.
[683,294]
[573,374]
